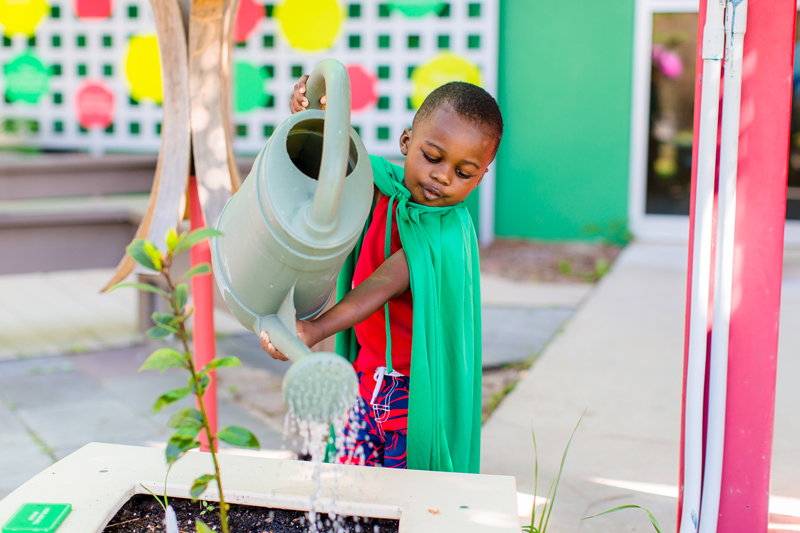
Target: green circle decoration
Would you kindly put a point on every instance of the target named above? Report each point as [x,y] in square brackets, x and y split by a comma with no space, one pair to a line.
[248,87]
[26,79]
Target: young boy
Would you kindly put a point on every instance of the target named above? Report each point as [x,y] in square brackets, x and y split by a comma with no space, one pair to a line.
[415,301]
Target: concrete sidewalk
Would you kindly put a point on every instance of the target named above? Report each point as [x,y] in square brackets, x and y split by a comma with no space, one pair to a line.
[620,358]
[69,359]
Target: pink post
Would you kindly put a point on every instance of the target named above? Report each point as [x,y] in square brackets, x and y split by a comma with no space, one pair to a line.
[761,211]
[758,259]
[203,295]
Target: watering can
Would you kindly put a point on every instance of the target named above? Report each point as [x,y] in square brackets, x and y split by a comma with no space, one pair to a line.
[287,232]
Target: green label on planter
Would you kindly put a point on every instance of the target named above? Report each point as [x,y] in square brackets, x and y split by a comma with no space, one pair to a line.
[37,518]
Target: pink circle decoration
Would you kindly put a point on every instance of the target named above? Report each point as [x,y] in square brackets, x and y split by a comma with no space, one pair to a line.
[363,86]
[247,18]
[93,9]
[94,104]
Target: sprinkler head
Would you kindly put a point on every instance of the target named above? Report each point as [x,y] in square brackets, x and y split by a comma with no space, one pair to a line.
[320,387]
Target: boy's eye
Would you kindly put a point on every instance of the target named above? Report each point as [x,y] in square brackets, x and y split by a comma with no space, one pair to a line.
[431,159]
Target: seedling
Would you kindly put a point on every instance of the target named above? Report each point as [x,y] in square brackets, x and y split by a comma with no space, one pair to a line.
[544,519]
[189,422]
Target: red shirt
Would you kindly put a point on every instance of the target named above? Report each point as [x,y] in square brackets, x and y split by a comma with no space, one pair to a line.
[371,333]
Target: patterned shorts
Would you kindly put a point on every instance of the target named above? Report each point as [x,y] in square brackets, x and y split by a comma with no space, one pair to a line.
[375,434]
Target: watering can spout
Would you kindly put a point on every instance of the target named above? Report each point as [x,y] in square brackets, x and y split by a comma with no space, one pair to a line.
[289,229]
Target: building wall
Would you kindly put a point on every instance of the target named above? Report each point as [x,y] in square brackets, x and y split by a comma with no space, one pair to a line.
[564,89]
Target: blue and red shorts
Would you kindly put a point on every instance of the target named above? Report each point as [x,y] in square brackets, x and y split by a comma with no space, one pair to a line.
[376,432]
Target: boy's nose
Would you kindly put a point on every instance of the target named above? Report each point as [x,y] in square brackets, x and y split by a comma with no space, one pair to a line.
[440,176]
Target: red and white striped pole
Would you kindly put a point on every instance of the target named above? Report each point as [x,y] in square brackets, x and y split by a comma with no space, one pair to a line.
[747,289]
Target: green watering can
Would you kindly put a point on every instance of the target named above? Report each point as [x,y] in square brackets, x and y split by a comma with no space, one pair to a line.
[288,231]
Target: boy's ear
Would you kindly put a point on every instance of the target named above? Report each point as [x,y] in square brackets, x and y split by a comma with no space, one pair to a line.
[405,141]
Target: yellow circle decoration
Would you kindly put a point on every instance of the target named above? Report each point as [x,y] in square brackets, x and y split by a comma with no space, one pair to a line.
[142,67]
[443,68]
[310,25]
[22,16]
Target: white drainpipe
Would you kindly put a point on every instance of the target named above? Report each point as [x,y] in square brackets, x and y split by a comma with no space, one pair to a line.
[712,53]
[735,26]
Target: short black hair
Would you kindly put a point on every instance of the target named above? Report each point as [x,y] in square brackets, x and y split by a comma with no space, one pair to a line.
[468,101]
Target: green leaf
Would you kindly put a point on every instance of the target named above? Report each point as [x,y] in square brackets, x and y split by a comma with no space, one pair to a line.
[238,437]
[202,527]
[205,379]
[621,507]
[188,429]
[189,412]
[200,485]
[142,287]
[202,268]
[558,478]
[165,321]
[163,359]
[177,446]
[172,239]
[136,250]
[152,252]
[221,363]
[181,295]
[157,333]
[195,237]
[169,397]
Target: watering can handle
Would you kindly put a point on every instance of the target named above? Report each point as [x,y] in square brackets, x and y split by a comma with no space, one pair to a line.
[330,78]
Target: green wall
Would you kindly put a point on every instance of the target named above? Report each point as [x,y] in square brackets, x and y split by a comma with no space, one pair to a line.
[565,90]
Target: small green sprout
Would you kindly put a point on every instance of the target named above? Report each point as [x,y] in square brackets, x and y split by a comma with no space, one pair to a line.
[190,422]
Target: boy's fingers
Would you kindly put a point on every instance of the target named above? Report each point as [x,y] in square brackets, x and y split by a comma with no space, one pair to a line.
[323,100]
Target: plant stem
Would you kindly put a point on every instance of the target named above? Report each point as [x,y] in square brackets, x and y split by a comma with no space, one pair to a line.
[223,511]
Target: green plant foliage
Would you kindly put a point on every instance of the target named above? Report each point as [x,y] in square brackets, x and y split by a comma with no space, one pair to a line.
[221,363]
[202,527]
[142,253]
[141,287]
[189,423]
[238,437]
[200,485]
[544,519]
[621,507]
[202,268]
[195,237]
[180,297]
[168,398]
[190,412]
[163,359]
[157,333]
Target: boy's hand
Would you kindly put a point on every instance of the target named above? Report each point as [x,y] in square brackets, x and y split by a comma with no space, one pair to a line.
[307,331]
[299,102]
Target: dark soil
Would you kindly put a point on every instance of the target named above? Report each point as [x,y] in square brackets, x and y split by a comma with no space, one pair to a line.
[522,260]
[143,514]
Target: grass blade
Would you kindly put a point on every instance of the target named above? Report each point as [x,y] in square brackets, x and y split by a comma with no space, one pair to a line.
[561,468]
[621,507]
[535,475]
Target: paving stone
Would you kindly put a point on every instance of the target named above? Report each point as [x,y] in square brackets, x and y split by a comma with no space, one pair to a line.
[77,423]
[514,334]
[55,387]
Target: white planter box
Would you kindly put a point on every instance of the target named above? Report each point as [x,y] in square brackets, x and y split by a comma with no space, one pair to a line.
[99,478]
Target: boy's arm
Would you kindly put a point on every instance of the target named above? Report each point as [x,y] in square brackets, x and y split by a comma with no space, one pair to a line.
[390,280]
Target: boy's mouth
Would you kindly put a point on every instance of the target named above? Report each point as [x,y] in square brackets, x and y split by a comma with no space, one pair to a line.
[430,194]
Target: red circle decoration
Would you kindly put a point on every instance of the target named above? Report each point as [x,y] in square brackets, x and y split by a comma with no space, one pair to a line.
[363,86]
[93,9]
[94,104]
[247,18]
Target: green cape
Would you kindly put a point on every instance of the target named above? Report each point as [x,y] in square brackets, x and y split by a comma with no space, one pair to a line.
[444,412]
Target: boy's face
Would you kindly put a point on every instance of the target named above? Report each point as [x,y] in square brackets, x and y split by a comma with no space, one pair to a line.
[446,158]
